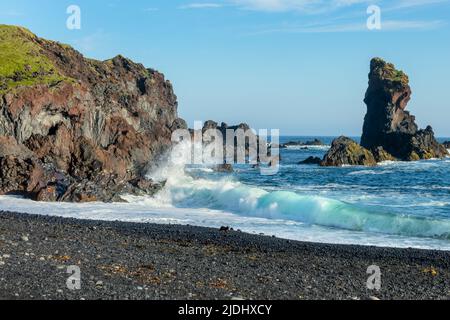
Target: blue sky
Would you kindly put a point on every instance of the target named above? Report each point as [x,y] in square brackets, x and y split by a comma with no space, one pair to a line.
[297,65]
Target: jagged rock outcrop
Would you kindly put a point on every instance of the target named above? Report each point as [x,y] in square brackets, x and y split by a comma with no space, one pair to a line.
[390,132]
[254,149]
[381,155]
[345,151]
[211,125]
[387,123]
[76,129]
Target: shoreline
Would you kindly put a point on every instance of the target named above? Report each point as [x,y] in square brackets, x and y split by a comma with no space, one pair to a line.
[122,260]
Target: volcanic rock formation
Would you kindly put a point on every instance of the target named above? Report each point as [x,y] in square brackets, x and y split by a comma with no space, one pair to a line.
[387,123]
[77,129]
[390,132]
[345,151]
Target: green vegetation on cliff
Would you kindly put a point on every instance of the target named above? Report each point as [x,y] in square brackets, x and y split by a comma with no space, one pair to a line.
[388,72]
[22,62]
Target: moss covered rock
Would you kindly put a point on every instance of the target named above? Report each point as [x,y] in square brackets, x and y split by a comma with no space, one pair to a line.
[382,155]
[23,63]
[345,151]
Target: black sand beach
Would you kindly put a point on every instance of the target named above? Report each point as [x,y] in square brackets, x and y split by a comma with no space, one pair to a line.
[144,261]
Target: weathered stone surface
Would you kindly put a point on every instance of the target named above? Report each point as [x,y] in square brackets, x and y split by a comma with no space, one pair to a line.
[345,151]
[47,194]
[387,123]
[108,188]
[21,175]
[382,155]
[101,121]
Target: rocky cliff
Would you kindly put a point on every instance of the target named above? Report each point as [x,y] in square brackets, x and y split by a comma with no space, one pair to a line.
[390,132]
[77,129]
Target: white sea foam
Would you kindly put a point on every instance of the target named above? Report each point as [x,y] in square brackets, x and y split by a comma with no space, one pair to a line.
[142,210]
[228,195]
[387,163]
[224,201]
[369,172]
[321,148]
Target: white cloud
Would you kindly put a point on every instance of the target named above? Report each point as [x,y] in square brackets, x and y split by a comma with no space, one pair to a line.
[204,5]
[352,19]
[403,4]
[306,6]
[412,24]
[388,25]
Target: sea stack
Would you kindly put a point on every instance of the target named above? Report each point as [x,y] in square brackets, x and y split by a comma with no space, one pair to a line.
[77,129]
[387,123]
[389,132]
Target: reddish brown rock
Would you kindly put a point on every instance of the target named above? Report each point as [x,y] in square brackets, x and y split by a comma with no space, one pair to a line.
[106,118]
[47,194]
[21,176]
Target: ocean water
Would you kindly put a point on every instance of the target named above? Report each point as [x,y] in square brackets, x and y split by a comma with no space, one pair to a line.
[396,204]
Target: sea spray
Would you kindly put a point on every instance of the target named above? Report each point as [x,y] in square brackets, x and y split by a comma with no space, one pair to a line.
[225,193]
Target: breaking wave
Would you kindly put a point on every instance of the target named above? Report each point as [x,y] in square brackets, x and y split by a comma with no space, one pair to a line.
[183,190]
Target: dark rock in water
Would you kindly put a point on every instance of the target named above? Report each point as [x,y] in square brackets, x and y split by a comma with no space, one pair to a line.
[224,168]
[387,123]
[315,142]
[71,123]
[311,160]
[447,144]
[390,132]
[345,151]
[250,136]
